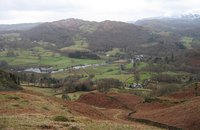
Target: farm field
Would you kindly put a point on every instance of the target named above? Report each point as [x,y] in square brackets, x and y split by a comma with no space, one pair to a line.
[38,56]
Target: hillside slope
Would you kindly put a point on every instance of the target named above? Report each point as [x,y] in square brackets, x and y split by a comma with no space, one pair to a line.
[30,110]
[180,109]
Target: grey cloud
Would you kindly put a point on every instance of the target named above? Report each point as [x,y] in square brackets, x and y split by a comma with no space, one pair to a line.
[13,11]
[39,5]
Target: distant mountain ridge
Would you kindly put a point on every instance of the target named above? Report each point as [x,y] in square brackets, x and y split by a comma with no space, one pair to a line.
[97,34]
[17,27]
[147,35]
[185,25]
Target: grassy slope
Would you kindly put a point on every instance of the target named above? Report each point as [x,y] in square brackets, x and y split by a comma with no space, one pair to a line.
[168,109]
[107,71]
[113,71]
[24,110]
[29,110]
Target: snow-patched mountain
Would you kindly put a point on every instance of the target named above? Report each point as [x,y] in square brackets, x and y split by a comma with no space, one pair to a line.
[185,25]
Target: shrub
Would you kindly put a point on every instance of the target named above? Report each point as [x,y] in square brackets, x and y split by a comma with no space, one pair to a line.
[144,94]
[14,98]
[109,70]
[9,81]
[46,127]
[167,78]
[75,128]
[74,83]
[83,55]
[45,108]
[78,85]
[3,64]
[167,90]
[66,97]
[60,118]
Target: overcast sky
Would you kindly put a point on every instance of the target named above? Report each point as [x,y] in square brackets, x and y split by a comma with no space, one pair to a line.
[25,11]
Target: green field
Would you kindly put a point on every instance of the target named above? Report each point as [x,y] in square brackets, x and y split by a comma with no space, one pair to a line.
[44,91]
[100,72]
[39,56]
[114,51]
[52,92]
[106,71]
[9,37]
[80,46]
[139,65]
[187,41]
[137,91]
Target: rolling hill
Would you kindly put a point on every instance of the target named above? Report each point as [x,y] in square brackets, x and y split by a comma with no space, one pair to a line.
[102,36]
[98,35]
